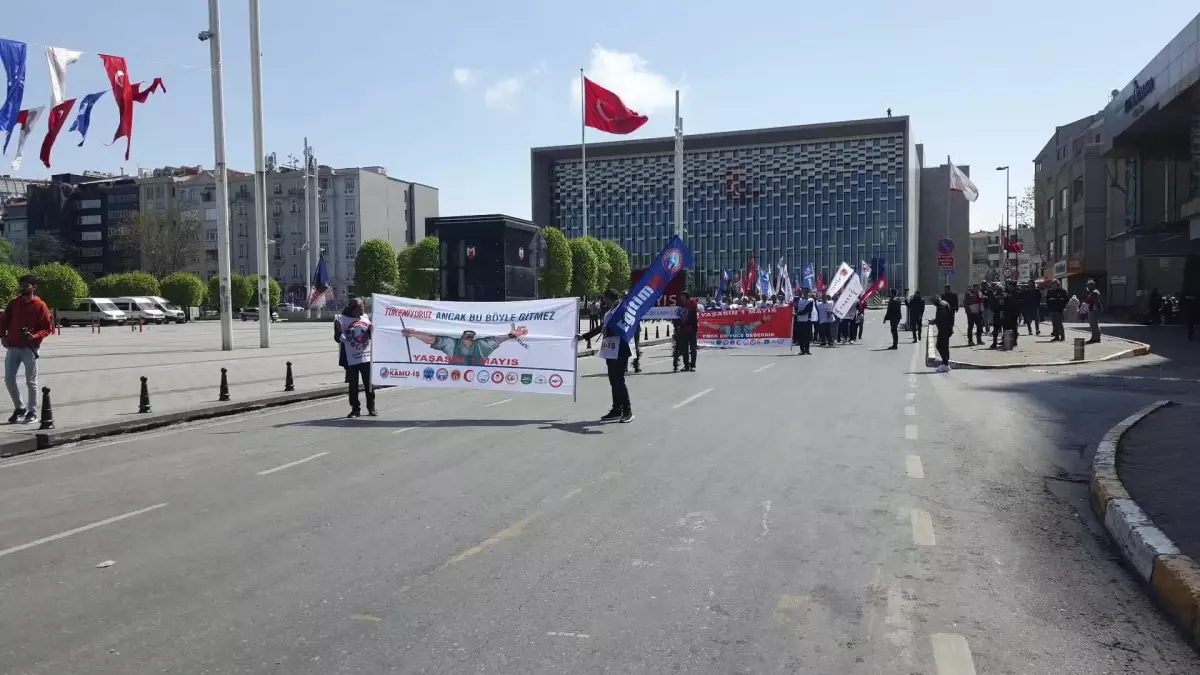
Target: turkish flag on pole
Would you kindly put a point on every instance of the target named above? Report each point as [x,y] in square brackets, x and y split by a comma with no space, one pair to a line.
[58,117]
[605,111]
[122,88]
[751,279]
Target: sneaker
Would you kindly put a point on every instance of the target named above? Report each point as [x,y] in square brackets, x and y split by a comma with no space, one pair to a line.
[371,412]
[943,369]
[354,413]
[627,417]
[29,418]
[611,416]
[16,416]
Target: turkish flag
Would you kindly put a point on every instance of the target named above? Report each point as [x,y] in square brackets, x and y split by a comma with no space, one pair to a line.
[751,279]
[123,90]
[879,285]
[58,117]
[605,111]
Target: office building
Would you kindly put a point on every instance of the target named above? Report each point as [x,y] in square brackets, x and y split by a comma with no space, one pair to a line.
[14,214]
[819,194]
[943,215]
[75,218]
[354,205]
[1151,143]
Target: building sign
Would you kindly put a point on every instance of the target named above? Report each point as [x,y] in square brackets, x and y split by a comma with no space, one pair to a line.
[1074,266]
[1140,92]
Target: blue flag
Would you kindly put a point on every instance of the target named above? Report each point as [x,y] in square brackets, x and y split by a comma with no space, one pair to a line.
[84,118]
[12,53]
[810,278]
[726,276]
[674,258]
[320,285]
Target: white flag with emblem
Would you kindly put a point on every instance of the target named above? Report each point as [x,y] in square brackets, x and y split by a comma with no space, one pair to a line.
[960,183]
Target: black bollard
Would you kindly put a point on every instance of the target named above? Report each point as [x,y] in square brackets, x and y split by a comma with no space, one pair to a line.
[288,383]
[668,330]
[646,333]
[144,398]
[47,411]
[656,331]
[224,395]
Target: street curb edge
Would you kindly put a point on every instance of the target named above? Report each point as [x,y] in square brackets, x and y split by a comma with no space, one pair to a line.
[1173,578]
[931,359]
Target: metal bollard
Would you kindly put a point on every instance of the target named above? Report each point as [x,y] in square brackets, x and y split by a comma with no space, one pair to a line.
[47,411]
[646,335]
[1010,337]
[1079,349]
[224,394]
[668,330]
[144,398]
[139,325]
[656,332]
[133,328]
[288,383]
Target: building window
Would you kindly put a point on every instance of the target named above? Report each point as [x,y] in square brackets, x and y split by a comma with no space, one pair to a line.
[89,203]
[1077,188]
[90,220]
[1078,236]
[323,183]
[158,192]
[1050,208]
[242,249]
[324,205]
[210,235]
[324,227]
[351,228]
[295,272]
[295,208]
[351,250]
[277,210]
[295,249]
[349,187]
[241,229]
[1063,246]
[96,235]
[1062,199]
[1037,166]
[241,209]
[349,208]
[277,188]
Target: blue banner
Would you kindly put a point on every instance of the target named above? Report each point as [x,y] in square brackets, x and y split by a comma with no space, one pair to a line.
[12,54]
[810,279]
[673,259]
[726,276]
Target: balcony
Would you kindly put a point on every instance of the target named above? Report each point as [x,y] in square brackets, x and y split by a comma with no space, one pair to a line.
[296,192]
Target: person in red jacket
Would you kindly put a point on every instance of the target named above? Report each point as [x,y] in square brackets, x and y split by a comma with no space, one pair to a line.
[25,323]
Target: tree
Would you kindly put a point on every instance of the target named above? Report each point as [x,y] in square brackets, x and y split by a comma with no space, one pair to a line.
[618,264]
[242,290]
[212,296]
[423,266]
[45,248]
[555,281]
[125,284]
[403,263]
[6,251]
[162,242]
[8,284]
[59,285]
[603,268]
[185,290]
[274,291]
[583,268]
[376,268]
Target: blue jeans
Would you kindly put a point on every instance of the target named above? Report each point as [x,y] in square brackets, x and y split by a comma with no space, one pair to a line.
[13,360]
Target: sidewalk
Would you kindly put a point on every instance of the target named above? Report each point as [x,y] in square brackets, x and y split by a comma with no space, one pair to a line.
[1159,463]
[1033,350]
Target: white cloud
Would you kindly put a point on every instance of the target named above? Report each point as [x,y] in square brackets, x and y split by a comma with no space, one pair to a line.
[503,94]
[627,75]
[465,76]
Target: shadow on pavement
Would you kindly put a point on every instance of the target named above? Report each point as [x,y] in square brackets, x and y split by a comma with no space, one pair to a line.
[375,422]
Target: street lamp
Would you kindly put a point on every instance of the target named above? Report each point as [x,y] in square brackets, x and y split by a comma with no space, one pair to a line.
[1007,226]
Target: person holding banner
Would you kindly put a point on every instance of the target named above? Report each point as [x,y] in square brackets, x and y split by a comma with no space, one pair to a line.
[352,331]
[806,318]
[685,335]
[615,351]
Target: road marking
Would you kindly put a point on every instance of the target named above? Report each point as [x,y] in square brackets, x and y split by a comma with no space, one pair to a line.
[364,617]
[910,396]
[291,464]
[766,512]
[498,403]
[416,425]
[910,410]
[764,367]
[910,432]
[922,527]
[85,528]
[559,633]
[571,494]
[952,654]
[913,466]
[690,399]
[514,530]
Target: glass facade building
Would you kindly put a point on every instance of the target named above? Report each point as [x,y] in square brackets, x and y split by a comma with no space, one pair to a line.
[818,194]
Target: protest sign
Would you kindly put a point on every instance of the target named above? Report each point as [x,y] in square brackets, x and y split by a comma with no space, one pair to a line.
[764,327]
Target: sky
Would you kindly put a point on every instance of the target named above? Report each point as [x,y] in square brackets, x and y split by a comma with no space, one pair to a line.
[454,94]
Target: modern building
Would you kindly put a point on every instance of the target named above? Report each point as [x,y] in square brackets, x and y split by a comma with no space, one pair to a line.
[1075,201]
[819,194]
[75,218]
[14,213]
[1150,133]
[355,205]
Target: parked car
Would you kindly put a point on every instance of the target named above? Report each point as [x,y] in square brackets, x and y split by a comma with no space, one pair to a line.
[287,307]
[168,309]
[251,314]
[92,310]
[140,308]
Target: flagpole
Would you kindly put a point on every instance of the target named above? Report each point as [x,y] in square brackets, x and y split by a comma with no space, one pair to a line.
[950,182]
[214,51]
[678,169]
[260,185]
[308,253]
[583,144]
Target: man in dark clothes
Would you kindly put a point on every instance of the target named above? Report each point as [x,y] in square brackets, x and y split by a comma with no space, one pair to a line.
[1056,304]
[1012,310]
[916,313]
[806,317]
[949,296]
[685,335]
[997,309]
[1031,305]
[944,322]
[892,317]
[973,305]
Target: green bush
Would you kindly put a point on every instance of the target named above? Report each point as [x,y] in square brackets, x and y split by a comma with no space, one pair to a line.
[584,268]
[423,265]
[59,285]
[126,284]
[376,268]
[185,290]
[555,281]
[618,265]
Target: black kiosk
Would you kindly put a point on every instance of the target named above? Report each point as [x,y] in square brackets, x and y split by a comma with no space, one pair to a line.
[486,258]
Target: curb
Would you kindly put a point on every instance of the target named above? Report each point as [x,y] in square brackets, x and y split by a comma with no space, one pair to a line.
[1174,578]
[1141,349]
[44,440]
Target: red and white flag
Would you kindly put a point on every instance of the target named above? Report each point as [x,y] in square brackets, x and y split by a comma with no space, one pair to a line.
[26,119]
[126,94]
[878,286]
[58,117]
[605,111]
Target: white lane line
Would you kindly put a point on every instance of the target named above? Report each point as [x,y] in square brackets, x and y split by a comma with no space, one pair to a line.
[910,410]
[922,528]
[913,467]
[690,399]
[560,633]
[85,528]
[490,405]
[910,396]
[764,367]
[289,465]
[952,654]
[910,432]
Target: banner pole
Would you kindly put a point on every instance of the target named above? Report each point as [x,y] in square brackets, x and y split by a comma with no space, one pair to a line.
[575,388]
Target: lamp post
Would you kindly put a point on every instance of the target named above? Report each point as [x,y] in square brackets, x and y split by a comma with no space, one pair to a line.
[213,37]
[1004,237]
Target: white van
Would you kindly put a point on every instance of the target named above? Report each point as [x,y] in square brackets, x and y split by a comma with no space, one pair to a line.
[140,308]
[89,310]
[169,309]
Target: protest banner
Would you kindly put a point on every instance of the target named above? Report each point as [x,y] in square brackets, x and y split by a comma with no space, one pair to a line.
[649,288]
[739,328]
[525,347]
[840,278]
[848,298]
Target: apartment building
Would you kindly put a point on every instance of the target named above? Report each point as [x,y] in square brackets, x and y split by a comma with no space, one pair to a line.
[988,262]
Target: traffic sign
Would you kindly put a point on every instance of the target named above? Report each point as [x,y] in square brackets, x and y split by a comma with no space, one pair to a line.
[945,261]
[945,246]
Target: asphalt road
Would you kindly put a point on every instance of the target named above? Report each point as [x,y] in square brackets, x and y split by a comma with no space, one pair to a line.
[767,514]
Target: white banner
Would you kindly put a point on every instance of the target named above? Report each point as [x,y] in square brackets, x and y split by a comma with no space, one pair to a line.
[525,347]
[843,275]
[853,292]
